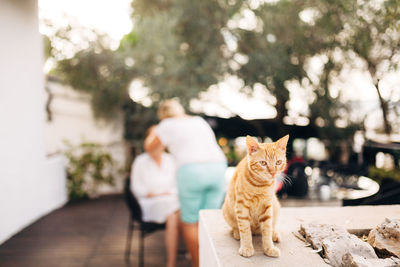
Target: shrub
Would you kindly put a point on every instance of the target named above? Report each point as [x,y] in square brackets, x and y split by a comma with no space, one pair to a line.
[89,165]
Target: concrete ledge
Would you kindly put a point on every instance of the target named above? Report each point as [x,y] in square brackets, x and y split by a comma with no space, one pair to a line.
[218,248]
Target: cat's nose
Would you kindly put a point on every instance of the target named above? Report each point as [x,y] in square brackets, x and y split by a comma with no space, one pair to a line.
[272,173]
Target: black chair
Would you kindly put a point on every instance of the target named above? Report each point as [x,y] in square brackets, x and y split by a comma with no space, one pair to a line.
[145,228]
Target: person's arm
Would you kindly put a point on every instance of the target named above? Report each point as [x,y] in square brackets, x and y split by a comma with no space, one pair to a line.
[152,142]
[149,195]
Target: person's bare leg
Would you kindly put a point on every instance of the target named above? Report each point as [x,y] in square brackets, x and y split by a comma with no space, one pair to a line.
[171,238]
[191,238]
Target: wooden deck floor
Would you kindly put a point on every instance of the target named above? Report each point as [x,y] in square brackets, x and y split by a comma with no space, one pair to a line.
[88,233]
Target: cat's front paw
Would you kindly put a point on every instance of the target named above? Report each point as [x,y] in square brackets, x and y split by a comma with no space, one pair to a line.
[246,251]
[272,252]
[235,234]
[276,237]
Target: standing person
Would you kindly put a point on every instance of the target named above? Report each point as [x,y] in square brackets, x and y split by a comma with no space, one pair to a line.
[153,182]
[201,166]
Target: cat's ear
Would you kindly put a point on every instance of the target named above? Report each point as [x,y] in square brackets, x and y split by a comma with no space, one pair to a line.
[252,145]
[281,143]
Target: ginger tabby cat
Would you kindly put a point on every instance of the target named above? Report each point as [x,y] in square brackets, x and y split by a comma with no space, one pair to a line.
[251,205]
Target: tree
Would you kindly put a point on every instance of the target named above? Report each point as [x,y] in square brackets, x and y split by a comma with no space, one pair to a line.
[103,73]
[278,50]
[270,51]
[180,49]
[290,33]
[83,59]
[374,36]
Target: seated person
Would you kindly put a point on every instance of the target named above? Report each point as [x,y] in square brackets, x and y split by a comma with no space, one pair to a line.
[154,185]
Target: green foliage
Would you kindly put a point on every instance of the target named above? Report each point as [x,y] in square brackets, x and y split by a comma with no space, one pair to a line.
[270,50]
[279,51]
[46,47]
[181,48]
[101,73]
[88,166]
[371,32]
[83,59]
[128,41]
[378,174]
[289,33]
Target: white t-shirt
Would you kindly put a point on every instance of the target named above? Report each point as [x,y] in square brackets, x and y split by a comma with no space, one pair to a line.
[190,140]
[148,177]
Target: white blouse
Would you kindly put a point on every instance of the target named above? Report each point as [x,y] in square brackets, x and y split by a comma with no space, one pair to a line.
[148,177]
[190,139]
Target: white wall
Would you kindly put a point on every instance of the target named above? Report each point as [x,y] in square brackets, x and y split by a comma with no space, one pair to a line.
[30,184]
[73,121]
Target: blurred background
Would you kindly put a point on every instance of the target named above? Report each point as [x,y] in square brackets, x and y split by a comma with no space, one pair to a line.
[81,81]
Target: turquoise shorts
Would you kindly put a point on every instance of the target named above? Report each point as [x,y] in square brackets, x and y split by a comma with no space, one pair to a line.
[200,186]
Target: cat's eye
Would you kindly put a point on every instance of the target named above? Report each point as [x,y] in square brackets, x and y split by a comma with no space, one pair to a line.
[279,162]
[263,163]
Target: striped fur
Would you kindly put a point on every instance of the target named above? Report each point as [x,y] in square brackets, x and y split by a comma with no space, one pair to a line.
[251,206]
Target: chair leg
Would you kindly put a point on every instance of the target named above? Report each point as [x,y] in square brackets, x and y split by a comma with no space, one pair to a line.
[128,242]
[141,249]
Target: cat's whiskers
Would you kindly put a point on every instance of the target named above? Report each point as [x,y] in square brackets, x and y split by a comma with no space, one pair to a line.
[287,180]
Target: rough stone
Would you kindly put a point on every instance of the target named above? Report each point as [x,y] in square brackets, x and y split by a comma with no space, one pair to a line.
[335,247]
[335,242]
[386,237]
[314,233]
[352,260]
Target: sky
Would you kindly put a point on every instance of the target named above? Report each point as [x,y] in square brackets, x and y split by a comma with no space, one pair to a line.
[111,17]
[225,98]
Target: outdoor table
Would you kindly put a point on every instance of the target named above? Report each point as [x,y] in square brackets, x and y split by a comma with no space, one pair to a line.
[218,248]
